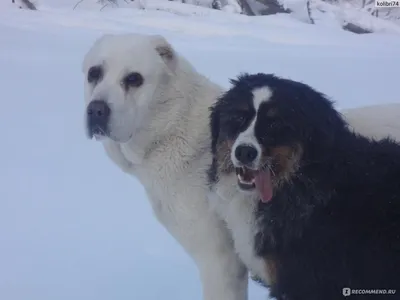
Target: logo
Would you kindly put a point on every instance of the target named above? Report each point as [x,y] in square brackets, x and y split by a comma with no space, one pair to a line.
[346,292]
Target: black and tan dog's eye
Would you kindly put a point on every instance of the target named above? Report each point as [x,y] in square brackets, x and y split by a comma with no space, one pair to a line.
[240,119]
[94,74]
[133,79]
[240,116]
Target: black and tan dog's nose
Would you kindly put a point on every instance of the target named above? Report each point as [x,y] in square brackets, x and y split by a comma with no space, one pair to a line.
[98,115]
[246,154]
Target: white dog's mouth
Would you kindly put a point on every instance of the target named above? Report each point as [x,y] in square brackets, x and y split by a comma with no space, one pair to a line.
[100,134]
[96,132]
[99,137]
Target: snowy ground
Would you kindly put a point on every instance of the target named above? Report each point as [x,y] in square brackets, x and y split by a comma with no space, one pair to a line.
[72,226]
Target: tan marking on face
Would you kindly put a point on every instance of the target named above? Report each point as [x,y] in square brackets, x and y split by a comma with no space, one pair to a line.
[284,162]
[271,269]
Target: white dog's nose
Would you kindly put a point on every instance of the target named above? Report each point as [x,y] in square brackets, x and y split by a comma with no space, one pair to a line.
[97,114]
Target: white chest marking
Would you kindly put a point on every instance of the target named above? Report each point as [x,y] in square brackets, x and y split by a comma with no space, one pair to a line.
[237,210]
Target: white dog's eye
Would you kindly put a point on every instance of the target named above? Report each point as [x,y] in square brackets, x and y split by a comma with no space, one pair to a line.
[133,80]
[94,74]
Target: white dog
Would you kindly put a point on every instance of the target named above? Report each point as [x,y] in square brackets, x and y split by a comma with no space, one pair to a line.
[150,109]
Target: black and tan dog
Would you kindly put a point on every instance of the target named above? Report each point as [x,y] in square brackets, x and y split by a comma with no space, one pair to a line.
[328,215]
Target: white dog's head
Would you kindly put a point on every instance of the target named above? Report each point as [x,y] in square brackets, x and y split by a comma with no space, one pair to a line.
[124,79]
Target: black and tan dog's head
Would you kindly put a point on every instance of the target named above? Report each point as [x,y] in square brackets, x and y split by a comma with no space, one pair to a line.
[265,127]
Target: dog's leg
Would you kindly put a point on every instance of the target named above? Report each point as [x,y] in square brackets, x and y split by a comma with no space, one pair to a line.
[223,275]
[208,241]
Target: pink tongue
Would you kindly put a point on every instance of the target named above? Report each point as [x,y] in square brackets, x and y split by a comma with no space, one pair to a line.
[264,185]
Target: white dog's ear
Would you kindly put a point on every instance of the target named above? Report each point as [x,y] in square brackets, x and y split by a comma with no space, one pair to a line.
[165,50]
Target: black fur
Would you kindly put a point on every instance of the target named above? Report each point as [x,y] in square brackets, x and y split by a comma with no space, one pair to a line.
[336,222]
[212,173]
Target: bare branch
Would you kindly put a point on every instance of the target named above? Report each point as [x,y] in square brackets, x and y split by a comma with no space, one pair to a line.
[309,12]
[76,5]
[104,6]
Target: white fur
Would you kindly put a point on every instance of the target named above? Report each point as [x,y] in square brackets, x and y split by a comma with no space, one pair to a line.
[261,95]
[160,135]
[237,207]
[247,137]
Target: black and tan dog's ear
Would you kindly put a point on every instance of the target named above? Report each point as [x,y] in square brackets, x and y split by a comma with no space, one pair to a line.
[165,50]
[214,127]
[323,123]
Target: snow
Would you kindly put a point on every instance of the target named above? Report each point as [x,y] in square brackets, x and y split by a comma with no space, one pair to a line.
[345,12]
[72,226]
